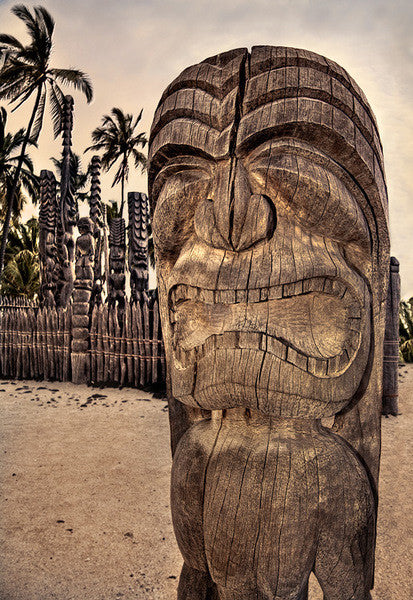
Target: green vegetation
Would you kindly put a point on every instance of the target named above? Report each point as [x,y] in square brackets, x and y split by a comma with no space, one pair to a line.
[406,330]
[21,271]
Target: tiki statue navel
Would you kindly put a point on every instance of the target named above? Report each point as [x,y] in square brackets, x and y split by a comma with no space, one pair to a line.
[269,207]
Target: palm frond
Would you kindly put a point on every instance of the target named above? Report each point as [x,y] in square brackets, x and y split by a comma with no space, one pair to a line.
[138,118]
[23,96]
[22,12]
[38,120]
[78,79]
[121,173]
[139,159]
[10,40]
[46,18]
[14,81]
[56,107]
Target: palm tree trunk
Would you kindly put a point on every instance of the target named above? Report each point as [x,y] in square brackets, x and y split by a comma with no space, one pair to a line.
[11,194]
[124,160]
[122,196]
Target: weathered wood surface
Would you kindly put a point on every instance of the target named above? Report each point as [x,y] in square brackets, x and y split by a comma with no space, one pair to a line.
[269,204]
[99,230]
[67,214]
[138,243]
[109,347]
[391,343]
[48,217]
[117,253]
[82,294]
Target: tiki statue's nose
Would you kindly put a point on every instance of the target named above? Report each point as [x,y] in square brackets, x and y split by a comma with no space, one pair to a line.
[233,218]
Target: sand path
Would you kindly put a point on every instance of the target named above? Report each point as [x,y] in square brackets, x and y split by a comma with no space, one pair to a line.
[85,500]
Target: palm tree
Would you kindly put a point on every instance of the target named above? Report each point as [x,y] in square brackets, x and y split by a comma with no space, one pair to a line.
[26,72]
[78,178]
[21,271]
[23,237]
[117,138]
[27,183]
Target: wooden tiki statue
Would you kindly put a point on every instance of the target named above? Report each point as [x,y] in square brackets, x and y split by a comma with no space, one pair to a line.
[96,214]
[138,243]
[391,343]
[117,253]
[68,212]
[82,292]
[47,238]
[270,227]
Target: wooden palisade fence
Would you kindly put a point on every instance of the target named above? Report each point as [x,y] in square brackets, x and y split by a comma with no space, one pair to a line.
[125,346]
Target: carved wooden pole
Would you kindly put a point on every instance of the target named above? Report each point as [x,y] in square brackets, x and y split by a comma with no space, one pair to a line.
[266,182]
[105,248]
[47,238]
[68,213]
[96,214]
[117,252]
[138,243]
[85,255]
[391,343]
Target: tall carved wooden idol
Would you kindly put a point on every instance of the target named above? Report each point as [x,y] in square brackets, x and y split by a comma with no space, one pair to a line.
[270,227]
[138,243]
[117,253]
[99,229]
[47,238]
[68,212]
[84,270]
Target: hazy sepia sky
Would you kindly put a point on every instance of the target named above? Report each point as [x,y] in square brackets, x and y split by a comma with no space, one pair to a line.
[132,49]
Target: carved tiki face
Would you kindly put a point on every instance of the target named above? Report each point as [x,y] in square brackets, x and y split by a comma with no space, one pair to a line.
[269,218]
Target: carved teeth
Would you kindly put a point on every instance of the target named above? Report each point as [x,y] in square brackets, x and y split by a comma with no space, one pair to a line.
[296,358]
[328,286]
[254,296]
[287,290]
[333,364]
[206,296]
[275,292]
[274,346]
[319,367]
[227,296]
[241,295]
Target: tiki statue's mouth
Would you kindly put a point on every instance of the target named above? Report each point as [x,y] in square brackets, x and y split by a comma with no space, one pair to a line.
[314,324]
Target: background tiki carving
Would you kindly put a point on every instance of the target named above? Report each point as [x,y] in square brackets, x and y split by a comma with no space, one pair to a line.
[269,208]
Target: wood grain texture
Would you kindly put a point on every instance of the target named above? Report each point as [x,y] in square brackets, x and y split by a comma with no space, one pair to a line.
[82,294]
[391,342]
[117,252]
[96,213]
[138,243]
[67,214]
[269,216]
[48,216]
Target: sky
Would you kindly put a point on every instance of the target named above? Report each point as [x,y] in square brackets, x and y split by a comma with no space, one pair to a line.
[132,49]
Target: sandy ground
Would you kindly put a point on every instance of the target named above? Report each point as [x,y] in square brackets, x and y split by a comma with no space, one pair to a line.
[85,496]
